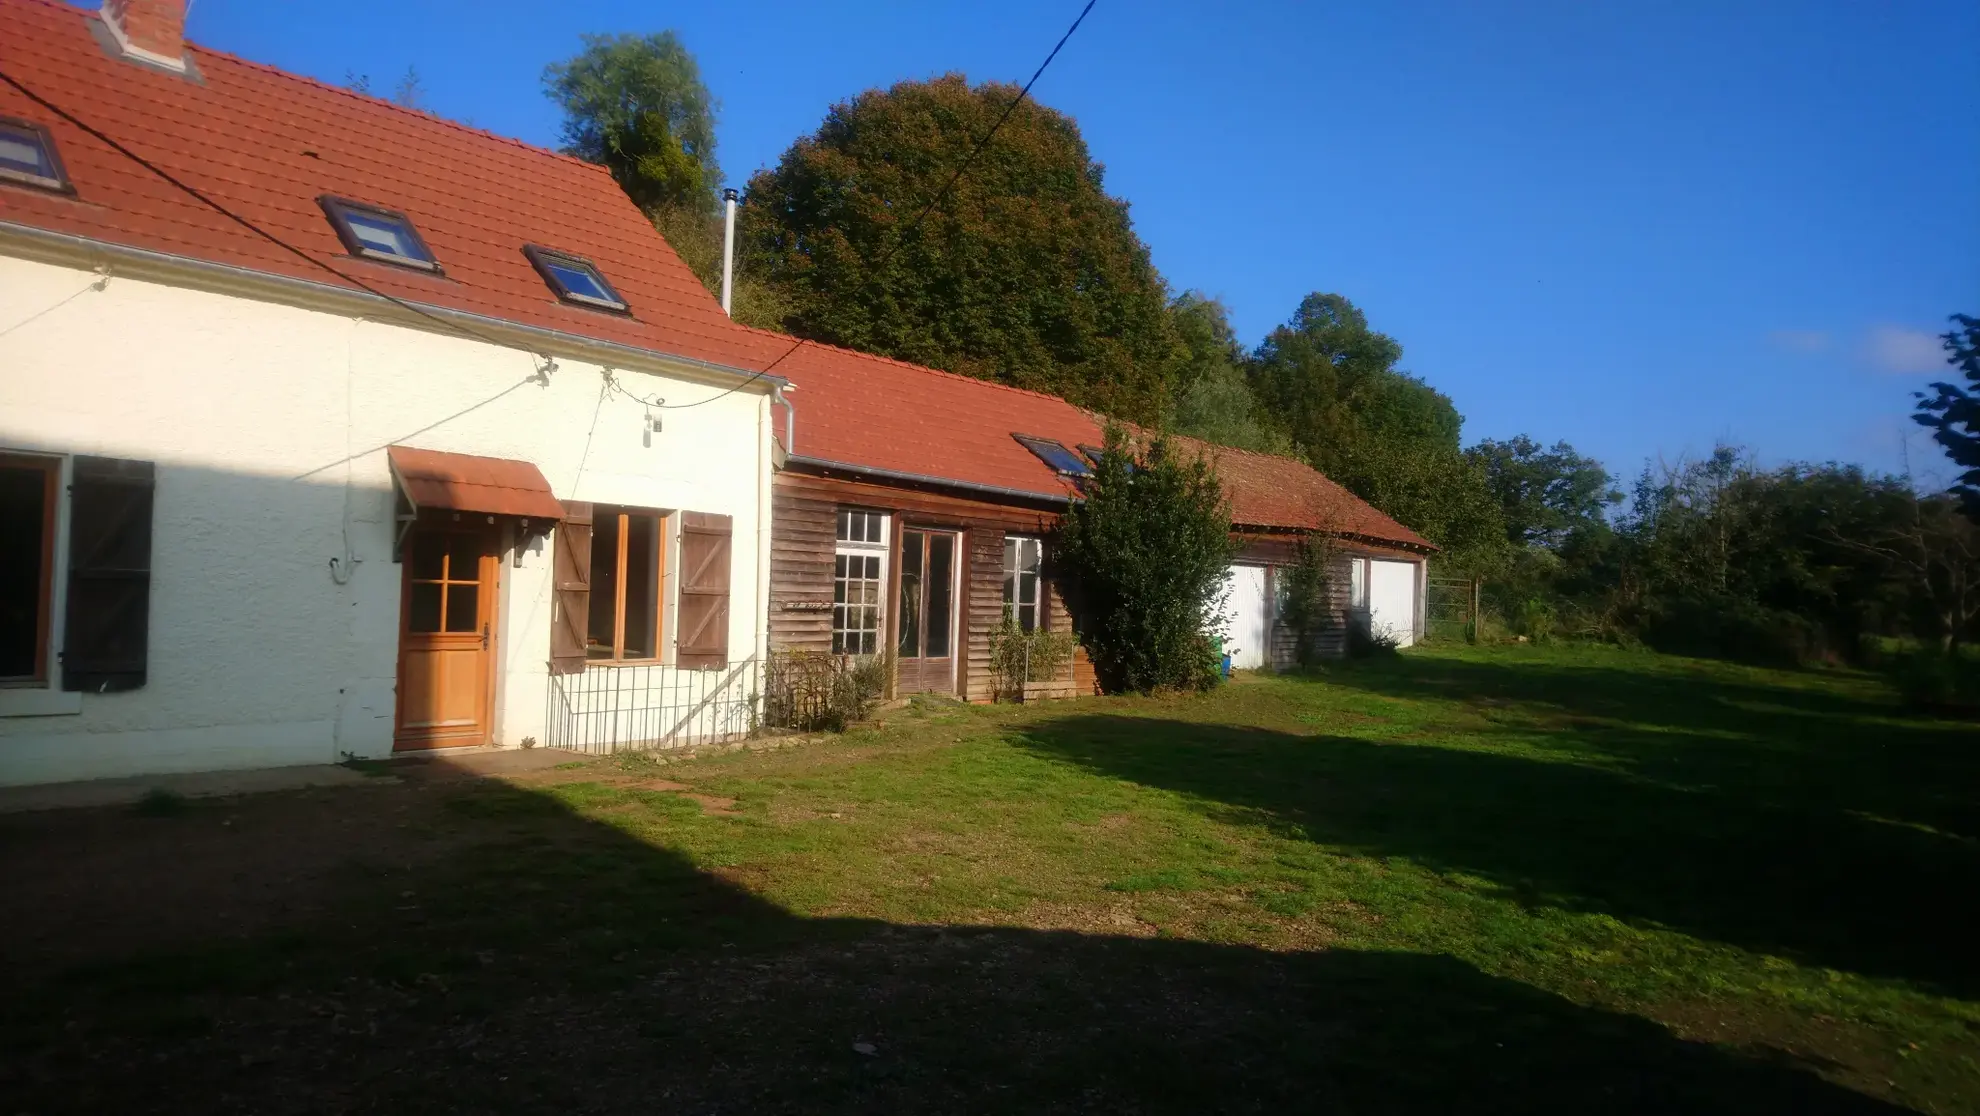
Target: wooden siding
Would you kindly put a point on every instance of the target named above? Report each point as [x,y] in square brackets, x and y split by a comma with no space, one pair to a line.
[804,523]
[803,538]
[1276,551]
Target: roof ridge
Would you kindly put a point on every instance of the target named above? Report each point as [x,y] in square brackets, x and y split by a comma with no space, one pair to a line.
[913,367]
[379,102]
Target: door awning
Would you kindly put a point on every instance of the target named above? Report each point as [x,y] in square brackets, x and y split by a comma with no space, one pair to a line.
[463,482]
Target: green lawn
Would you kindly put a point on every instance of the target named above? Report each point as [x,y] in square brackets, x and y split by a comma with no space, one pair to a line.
[1513,880]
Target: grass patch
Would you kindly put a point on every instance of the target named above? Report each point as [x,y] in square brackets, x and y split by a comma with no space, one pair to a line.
[1525,879]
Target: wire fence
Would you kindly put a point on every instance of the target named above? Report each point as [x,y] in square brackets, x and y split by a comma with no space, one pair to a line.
[1450,608]
[653,706]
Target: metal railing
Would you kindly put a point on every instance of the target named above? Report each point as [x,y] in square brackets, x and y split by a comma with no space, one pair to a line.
[650,706]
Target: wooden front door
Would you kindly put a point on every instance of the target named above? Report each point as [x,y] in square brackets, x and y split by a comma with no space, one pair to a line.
[447,639]
[926,635]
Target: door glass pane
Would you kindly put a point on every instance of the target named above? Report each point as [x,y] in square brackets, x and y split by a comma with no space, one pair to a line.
[464,557]
[427,555]
[423,611]
[599,630]
[642,586]
[461,613]
[941,574]
[910,644]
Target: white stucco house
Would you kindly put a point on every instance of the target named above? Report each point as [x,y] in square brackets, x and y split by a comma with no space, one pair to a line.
[330,429]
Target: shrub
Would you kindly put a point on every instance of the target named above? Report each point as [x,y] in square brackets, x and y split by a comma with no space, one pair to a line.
[1930,680]
[1308,605]
[814,691]
[1142,561]
[1018,656]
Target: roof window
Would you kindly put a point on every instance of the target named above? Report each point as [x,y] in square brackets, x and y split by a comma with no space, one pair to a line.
[574,278]
[27,156]
[1054,454]
[378,234]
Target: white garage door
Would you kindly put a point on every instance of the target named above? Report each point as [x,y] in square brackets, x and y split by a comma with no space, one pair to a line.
[1392,600]
[1246,623]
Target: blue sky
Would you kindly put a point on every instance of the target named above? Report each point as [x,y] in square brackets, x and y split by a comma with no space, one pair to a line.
[1642,228]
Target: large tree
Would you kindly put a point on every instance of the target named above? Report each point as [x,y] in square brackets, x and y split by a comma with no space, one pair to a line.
[637,104]
[1214,401]
[1025,272]
[1544,494]
[1952,411]
[1390,438]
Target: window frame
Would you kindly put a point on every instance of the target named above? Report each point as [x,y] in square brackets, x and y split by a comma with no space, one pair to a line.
[1014,588]
[338,210]
[39,135]
[663,544]
[1041,447]
[542,259]
[44,629]
[862,548]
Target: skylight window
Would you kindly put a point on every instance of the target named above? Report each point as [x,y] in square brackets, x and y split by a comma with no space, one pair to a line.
[27,156]
[574,278]
[1054,454]
[378,234]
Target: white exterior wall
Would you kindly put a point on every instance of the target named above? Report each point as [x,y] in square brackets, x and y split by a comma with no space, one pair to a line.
[249,410]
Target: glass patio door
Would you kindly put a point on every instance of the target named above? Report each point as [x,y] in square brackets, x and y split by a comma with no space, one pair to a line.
[926,633]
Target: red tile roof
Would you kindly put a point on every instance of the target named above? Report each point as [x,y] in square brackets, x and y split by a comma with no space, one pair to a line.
[265,144]
[870,412]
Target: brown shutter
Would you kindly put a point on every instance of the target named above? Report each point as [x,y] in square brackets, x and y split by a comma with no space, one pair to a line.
[570,604]
[109,595]
[704,607]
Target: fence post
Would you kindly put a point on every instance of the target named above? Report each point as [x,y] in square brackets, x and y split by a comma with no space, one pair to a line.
[1476,583]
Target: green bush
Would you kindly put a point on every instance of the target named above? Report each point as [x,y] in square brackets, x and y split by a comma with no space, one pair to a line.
[817,692]
[1142,562]
[1018,656]
[1728,627]
[1934,681]
[1308,606]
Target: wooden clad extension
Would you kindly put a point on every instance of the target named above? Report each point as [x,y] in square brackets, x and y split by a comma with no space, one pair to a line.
[804,520]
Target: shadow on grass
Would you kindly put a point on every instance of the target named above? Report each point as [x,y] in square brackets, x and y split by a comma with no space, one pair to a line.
[1813,883]
[565,965]
[1711,726]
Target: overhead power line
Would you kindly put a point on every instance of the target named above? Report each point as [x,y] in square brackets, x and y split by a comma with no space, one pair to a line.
[939,197]
[201,197]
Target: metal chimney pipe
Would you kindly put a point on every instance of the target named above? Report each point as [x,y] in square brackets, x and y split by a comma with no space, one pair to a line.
[728,247]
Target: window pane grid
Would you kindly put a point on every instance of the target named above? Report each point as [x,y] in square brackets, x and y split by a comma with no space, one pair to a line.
[856,584]
[1021,582]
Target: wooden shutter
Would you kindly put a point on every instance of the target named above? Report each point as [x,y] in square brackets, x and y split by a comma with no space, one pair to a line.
[109,594]
[570,604]
[704,607]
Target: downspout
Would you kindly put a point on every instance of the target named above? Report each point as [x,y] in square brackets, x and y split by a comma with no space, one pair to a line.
[728,247]
[790,416]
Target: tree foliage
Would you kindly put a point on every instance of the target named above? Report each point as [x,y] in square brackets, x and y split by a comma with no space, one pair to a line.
[1214,400]
[1952,411]
[1544,495]
[1141,560]
[637,104]
[1331,381]
[1026,272]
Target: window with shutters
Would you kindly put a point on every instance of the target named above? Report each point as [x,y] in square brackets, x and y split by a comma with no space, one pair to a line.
[106,622]
[626,618]
[28,491]
[1021,585]
[859,577]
